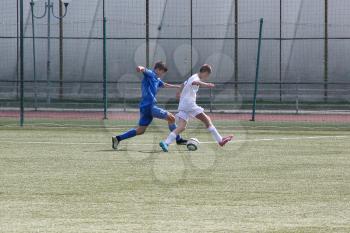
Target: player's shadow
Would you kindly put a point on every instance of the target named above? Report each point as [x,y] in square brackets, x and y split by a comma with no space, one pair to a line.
[130,150]
[154,151]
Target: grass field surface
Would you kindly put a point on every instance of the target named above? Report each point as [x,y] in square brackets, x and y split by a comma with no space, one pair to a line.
[274,177]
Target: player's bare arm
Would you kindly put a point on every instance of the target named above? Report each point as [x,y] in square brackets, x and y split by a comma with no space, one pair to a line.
[167,85]
[203,84]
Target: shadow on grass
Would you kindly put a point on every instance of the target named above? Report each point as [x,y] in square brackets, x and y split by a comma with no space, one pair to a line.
[145,151]
[130,150]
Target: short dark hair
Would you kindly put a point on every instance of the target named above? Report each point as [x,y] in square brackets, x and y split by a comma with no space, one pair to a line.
[205,69]
[161,66]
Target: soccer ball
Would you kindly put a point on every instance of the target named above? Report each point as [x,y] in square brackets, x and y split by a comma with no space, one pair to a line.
[192,144]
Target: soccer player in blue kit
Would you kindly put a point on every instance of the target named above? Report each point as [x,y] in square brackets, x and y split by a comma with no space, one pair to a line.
[151,82]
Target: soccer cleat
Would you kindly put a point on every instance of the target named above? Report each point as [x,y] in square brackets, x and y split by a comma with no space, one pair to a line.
[164,146]
[115,143]
[181,141]
[225,140]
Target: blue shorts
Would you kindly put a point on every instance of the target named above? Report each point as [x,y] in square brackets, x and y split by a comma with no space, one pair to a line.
[147,114]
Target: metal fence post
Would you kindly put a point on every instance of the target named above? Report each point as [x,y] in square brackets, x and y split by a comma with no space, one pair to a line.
[17,50]
[147,34]
[236,50]
[34,61]
[280,52]
[105,98]
[48,65]
[257,69]
[61,49]
[326,52]
[21,63]
[191,37]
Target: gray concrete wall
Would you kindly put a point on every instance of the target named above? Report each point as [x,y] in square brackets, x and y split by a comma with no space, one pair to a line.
[302,59]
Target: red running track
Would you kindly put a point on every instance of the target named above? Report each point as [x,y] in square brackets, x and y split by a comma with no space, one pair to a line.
[90,115]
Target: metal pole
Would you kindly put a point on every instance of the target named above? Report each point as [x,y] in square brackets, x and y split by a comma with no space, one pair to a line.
[17,57]
[326,52]
[48,8]
[236,49]
[48,71]
[34,61]
[257,69]
[191,40]
[61,48]
[105,99]
[280,58]
[21,63]
[147,33]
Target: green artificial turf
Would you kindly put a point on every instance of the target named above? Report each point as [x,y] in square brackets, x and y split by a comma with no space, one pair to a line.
[274,177]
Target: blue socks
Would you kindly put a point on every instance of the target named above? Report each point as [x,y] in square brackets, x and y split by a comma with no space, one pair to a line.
[172,127]
[129,134]
[132,133]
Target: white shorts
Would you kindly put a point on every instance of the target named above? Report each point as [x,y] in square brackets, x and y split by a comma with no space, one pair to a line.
[186,115]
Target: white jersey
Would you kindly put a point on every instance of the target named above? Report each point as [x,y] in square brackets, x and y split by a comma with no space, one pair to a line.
[189,94]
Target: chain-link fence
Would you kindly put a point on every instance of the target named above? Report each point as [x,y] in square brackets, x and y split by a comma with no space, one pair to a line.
[304,57]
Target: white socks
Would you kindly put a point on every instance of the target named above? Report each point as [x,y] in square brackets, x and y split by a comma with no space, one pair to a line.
[215,134]
[171,138]
[217,137]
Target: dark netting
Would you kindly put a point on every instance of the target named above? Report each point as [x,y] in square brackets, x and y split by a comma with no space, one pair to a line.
[303,66]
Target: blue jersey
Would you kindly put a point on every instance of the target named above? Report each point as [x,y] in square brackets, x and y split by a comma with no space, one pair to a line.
[150,85]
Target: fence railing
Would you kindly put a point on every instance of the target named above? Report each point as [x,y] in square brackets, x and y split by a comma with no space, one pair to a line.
[229,96]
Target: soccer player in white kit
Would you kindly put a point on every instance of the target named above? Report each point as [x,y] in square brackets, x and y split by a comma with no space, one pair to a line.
[189,109]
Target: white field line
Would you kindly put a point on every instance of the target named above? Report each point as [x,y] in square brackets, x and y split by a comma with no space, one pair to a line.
[152,144]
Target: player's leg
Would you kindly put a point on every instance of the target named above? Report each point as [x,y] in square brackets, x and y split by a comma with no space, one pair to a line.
[141,130]
[145,119]
[126,135]
[213,131]
[172,126]
[182,123]
[170,118]
[179,129]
